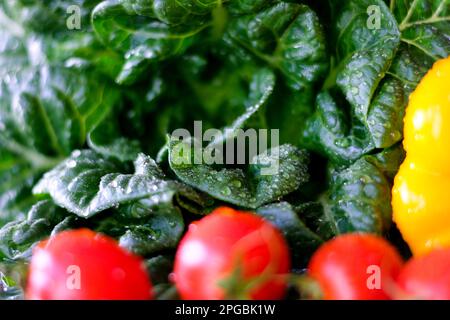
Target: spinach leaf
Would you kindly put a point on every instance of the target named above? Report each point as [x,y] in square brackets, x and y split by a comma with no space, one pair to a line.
[248,188]
[106,140]
[365,54]
[424,27]
[17,178]
[289,111]
[48,17]
[140,39]
[361,106]
[358,199]
[9,290]
[333,132]
[45,113]
[18,238]
[160,267]
[261,87]
[288,37]
[302,240]
[143,228]
[87,183]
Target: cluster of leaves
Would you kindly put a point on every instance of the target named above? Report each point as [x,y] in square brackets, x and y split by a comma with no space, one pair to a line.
[84,113]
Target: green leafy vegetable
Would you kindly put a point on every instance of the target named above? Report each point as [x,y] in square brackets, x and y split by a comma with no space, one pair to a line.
[87,183]
[140,40]
[85,109]
[289,38]
[143,228]
[18,238]
[302,240]
[285,166]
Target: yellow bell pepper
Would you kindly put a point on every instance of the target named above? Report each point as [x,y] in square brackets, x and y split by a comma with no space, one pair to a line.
[421,192]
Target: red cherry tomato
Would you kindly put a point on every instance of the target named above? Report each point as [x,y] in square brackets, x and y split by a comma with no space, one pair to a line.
[427,277]
[232,254]
[84,265]
[356,267]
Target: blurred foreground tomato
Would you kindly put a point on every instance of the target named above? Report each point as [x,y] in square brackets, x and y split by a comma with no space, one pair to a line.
[231,255]
[427,277]
[84,265]
[356,267]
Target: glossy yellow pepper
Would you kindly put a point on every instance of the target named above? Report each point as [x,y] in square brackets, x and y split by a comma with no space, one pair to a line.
[421,192]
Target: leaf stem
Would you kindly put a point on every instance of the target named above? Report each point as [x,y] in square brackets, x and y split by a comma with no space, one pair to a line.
[415,44]
[439,9]
[408,15]
[13,27]
[392,6]
[431,20]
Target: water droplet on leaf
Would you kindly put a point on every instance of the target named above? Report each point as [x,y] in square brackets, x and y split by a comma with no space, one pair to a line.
[71,164]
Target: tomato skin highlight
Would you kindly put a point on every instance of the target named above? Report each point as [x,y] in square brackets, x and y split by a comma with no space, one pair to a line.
[427,277]
[225,239]
[344,265]
[105,270]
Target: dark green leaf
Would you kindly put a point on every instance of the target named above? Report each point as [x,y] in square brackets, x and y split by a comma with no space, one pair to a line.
[18,238]
[358,200]
[9,290]
[287,37]
[425,26]
[106,140]
[302,240]
[88,183]
[257,185]
[334,133]
[159,231]
[160,267]
[140,39]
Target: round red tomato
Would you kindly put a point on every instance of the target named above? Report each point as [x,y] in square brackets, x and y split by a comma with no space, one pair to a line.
[232,254]
[356,267]
[426,277]
[84,265]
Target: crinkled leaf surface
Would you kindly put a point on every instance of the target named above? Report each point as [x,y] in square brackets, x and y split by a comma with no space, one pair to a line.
[18,238]
[302,240]
[139,38]
[375,70]
[46,111]
[288,37]
[248,188]
[358,200]
[88,183]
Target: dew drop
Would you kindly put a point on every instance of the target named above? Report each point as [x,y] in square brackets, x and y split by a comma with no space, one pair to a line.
[236,183]
[226,191]
[370,190]
[342,143]
[365,179]
[172,224]
[395,135]
[390,89]
[76,153]
[71,164]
